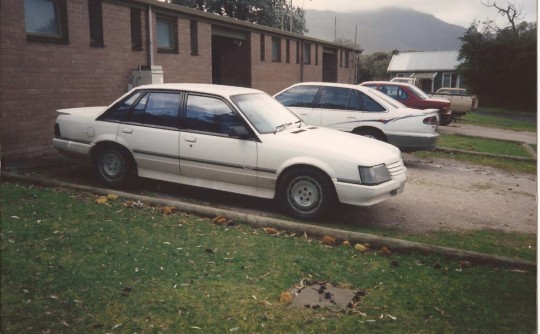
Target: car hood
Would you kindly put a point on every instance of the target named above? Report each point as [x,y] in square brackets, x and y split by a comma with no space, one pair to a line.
[85,112]
[327,143]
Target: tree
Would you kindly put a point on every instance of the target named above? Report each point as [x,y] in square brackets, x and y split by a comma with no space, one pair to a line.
[500,65]
[374,66]
[279,14]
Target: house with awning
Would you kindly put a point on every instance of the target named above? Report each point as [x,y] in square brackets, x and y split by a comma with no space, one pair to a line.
[431,70]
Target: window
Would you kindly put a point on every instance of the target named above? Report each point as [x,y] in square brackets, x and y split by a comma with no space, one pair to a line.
[119,111]
[262,47]
[449,80]
[369,104]
[157,108]
[299,96]
[307,53]
[194,36]
[288,51]
[334,98]
[167,34]
[316,55]
[395,92]
[276,49]
[346,59]
[209,114]
[136,30]
[297,52]
[46,21]
[96,23]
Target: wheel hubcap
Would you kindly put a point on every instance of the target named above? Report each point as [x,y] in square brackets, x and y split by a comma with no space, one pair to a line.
[112,165]
[305,194]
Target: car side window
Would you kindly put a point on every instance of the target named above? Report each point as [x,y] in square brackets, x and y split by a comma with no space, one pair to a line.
[369,104]
[355,102]
[209,114]
[299,96]
[157,108]
[120,110]
[334,98]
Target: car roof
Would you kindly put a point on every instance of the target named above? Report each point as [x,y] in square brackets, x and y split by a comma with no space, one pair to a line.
[331,84]
[203,88]
[395,83]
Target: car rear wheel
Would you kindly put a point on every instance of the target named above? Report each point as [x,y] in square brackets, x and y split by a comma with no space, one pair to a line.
[113,166]
[306,193]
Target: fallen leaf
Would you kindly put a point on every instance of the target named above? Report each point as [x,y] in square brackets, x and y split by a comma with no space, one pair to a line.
[346,243]
[112,197]
[385,251]
[167,210]
[361,248]
[271,230]
[327,240]
[285,298]
[220,220]
[101,200]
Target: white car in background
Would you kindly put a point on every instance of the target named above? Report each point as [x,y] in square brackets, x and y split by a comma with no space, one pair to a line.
[231,139]
[363,111]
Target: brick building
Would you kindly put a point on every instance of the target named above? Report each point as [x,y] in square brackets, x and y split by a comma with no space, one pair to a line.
[73,53]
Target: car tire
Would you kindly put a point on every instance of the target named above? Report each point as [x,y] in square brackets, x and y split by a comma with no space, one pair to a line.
[306,193]
[113,166]
[370,133]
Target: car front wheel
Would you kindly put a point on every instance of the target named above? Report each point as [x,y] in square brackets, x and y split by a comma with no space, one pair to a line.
[113,166]
[306,193]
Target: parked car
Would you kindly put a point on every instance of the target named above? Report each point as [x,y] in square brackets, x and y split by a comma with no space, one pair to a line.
[362,111]
[461,102]
[413,97]
[232,139]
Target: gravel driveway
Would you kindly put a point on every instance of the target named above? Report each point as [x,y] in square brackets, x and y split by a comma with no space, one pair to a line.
[448,195]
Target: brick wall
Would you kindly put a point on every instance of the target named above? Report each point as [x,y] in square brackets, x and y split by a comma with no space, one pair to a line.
[38,78]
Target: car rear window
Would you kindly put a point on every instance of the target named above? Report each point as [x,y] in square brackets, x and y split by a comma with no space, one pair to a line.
[298,96]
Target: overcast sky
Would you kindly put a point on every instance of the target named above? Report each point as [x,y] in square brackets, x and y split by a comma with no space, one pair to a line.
[460,12]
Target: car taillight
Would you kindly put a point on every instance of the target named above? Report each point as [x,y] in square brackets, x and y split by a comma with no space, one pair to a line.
[430,120]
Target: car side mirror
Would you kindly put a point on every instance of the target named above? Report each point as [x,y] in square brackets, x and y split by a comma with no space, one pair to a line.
[239,131]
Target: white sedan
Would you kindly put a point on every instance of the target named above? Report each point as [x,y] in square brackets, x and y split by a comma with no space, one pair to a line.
[233,139]
[362,111]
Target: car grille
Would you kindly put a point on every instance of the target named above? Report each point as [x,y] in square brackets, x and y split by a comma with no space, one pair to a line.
[396,168]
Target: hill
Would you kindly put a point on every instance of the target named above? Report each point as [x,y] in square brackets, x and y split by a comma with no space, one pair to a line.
[386,30]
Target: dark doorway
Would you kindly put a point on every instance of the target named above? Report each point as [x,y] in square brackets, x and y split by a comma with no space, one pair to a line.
[329,65]
[231,61]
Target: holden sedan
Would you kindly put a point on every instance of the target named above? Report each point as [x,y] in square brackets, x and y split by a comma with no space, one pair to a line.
[232,139]
[363,111]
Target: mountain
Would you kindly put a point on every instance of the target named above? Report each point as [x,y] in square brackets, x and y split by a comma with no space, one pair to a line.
[386,30]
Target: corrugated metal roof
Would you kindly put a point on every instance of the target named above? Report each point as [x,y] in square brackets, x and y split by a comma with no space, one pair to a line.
[424,61]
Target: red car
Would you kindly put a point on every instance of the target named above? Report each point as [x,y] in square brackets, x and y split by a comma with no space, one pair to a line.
[413,97]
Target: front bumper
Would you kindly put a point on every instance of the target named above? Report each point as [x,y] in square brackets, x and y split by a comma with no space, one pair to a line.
[361,195]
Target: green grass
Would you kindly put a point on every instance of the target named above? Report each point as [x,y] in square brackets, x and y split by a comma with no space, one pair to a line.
[70,265]
[482,145]
[495,119]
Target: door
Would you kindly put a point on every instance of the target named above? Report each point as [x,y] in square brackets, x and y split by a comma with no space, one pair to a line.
[208,153]
[300,100]
[338,108]
[151,132]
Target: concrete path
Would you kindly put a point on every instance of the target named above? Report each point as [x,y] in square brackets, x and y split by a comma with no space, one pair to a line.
[492,133]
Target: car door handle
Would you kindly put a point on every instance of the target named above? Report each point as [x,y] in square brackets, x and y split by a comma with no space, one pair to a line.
[190,139]
[127,130]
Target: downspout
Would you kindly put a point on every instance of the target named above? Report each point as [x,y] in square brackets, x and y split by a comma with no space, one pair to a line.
[301,60]
[150,38]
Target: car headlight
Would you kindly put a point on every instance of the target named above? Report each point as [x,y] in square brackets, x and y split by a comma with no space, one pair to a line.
[374,175]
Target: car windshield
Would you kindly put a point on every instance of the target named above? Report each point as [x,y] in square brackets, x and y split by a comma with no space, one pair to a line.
[265,113]
[418,92]
[393,102]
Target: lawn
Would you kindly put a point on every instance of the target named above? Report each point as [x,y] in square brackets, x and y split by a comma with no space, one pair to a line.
[70,265]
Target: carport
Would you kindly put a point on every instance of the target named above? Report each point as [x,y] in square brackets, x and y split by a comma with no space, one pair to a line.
[231,57]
